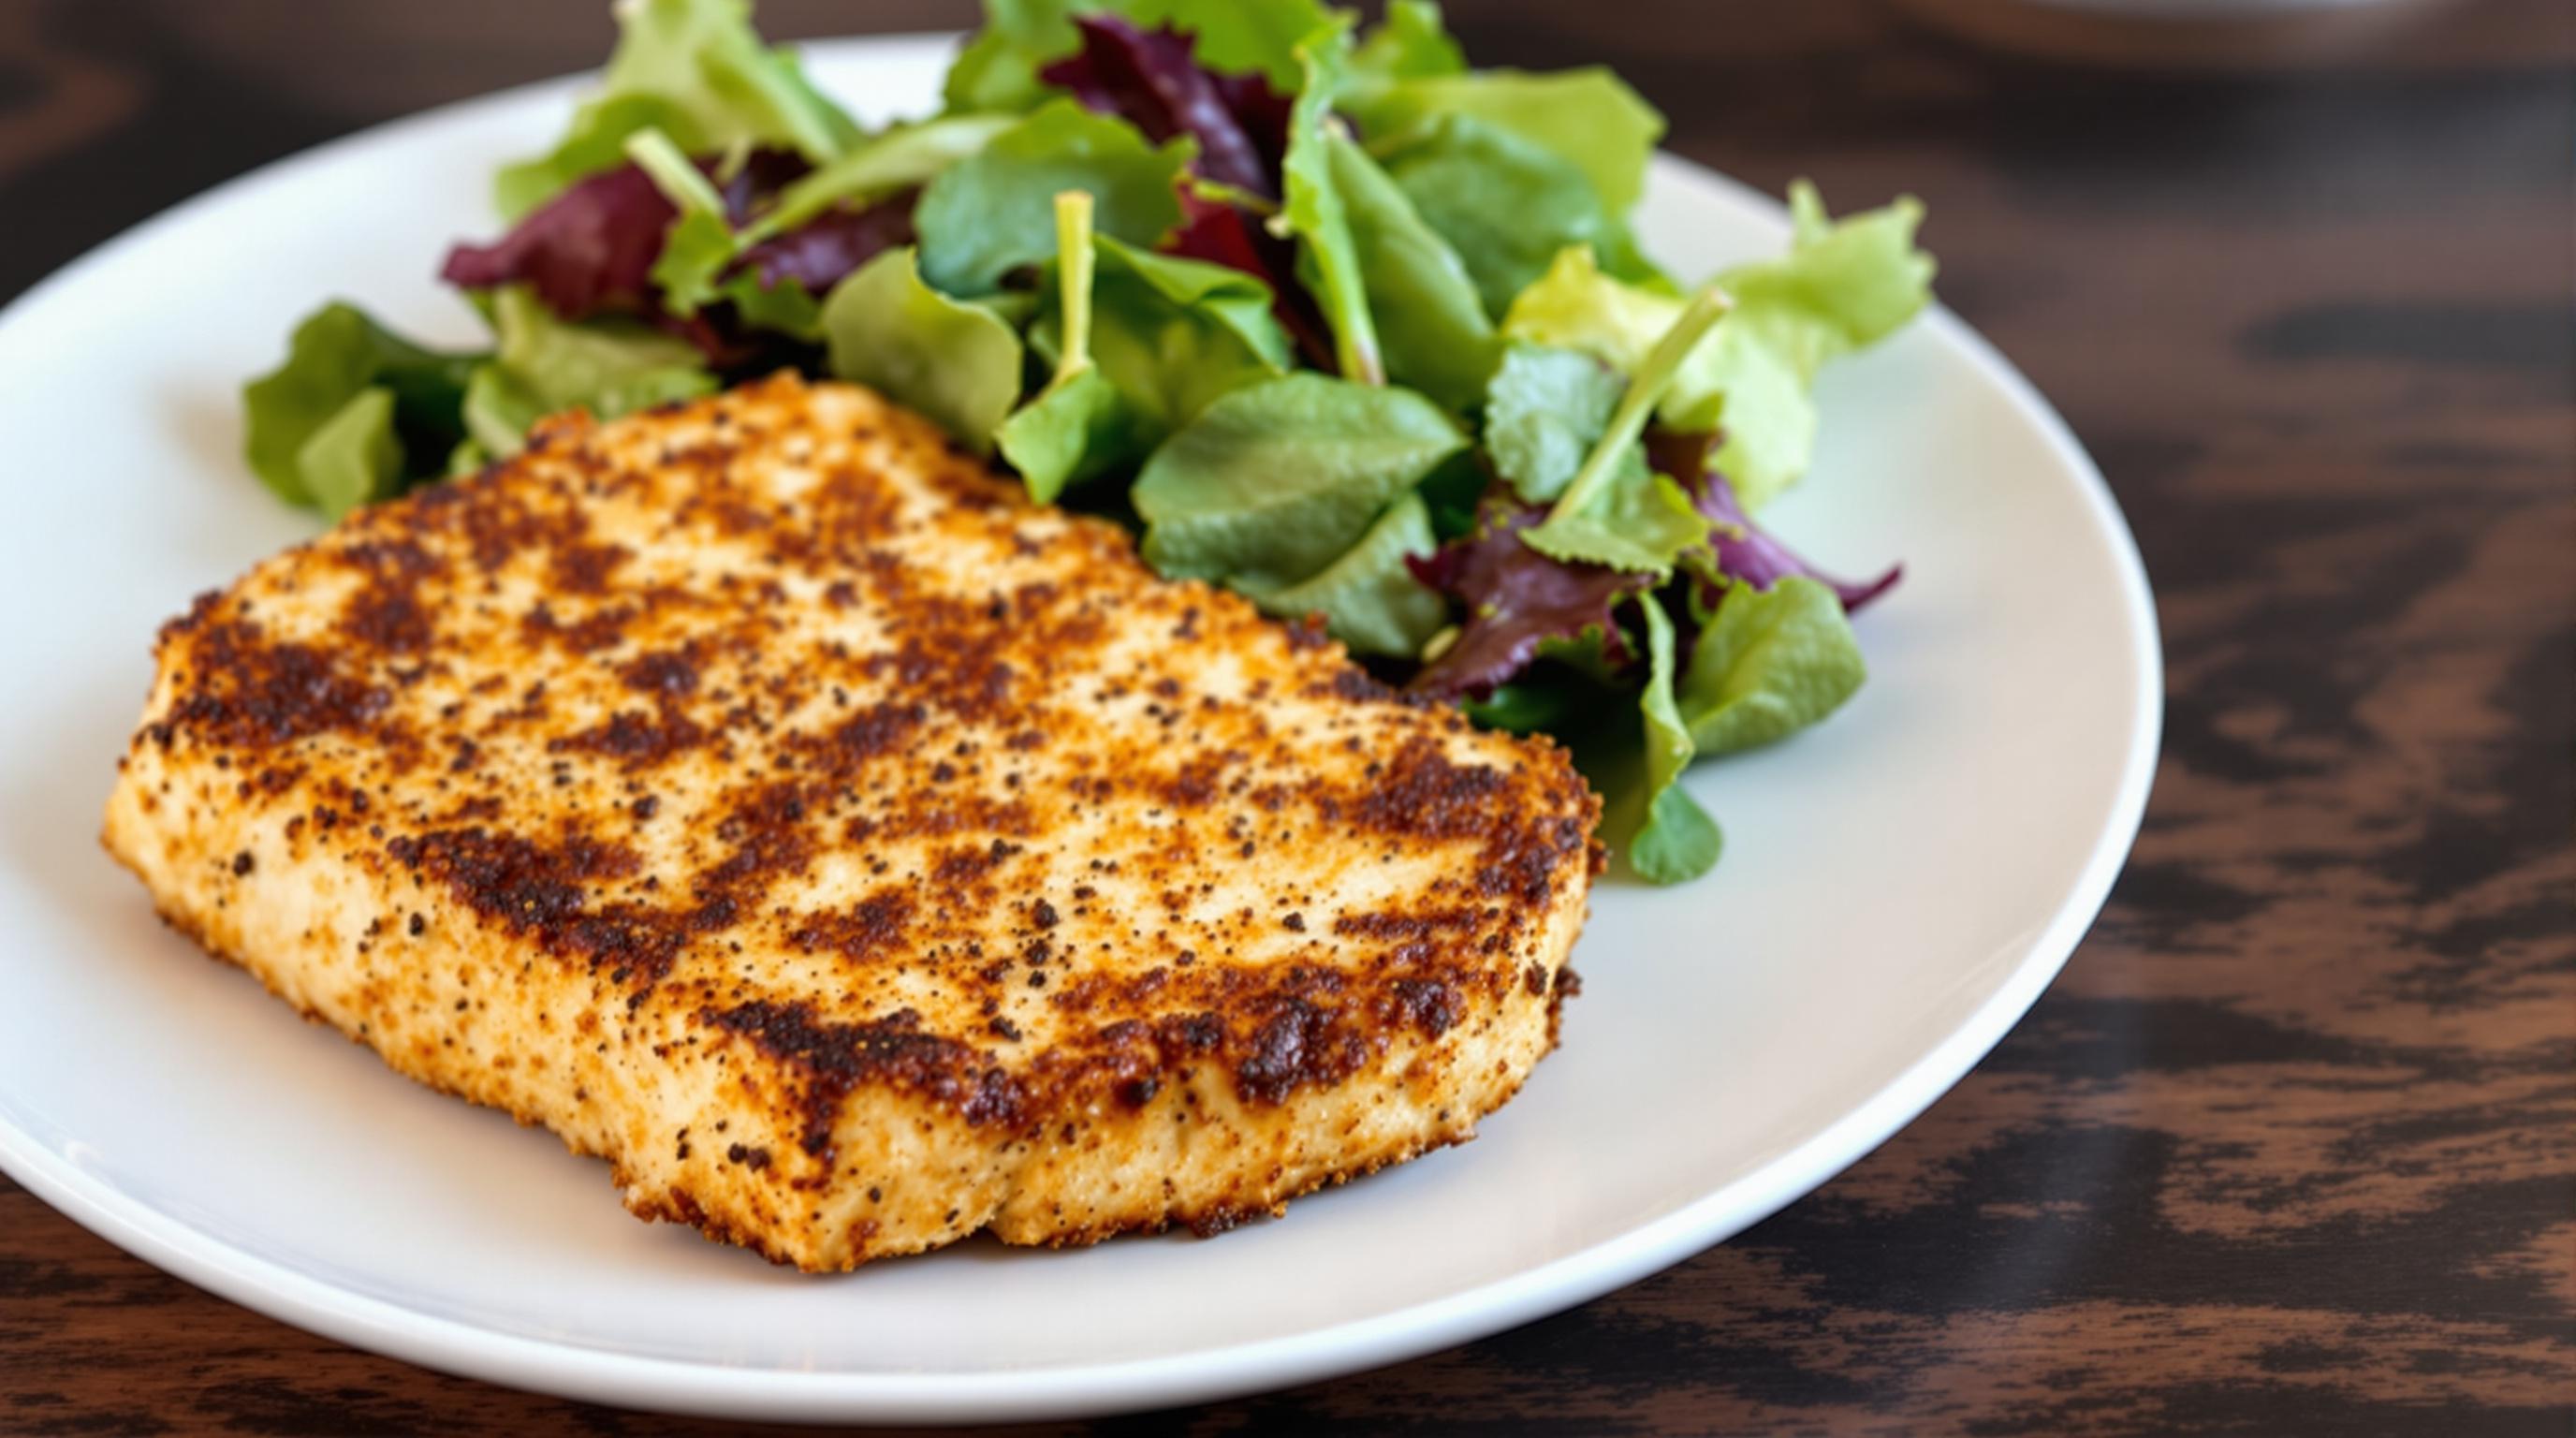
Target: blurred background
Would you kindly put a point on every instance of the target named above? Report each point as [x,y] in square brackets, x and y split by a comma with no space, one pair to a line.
[2291,1147]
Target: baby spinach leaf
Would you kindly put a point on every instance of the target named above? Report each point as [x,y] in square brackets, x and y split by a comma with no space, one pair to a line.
[697,71]
[1431,326]
[1588,116]
[1508,205]
[993,212]
[1315,215]
[1077,427]
[1544,410]
[1173,334]
[336,353]
[1271,483]
[1368,597]
[1769,663]
[1669,838]
[955,361]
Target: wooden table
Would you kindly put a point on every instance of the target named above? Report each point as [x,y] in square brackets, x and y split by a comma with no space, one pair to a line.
[2290,1148]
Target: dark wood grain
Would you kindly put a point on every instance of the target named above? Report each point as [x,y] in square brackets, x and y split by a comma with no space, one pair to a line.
[2291,1147]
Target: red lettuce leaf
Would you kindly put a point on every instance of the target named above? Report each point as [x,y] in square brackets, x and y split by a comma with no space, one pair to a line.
[590,251]
[1222,234]
[587,251]
[1149,79]
[826,249]
[1743,552]
[1517,599]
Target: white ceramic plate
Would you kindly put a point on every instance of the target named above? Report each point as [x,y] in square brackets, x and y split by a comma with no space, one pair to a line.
[1899,886]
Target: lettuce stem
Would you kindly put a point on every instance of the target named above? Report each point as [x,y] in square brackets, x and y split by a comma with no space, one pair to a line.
[1662,364]
[674,173]
[1074,261]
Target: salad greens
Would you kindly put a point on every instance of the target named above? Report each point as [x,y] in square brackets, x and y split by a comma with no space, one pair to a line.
[954,360]
[993,212]
[337,359]
[695,70]
[1332,318]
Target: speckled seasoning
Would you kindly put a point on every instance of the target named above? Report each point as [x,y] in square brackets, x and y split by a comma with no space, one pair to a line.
[764,767]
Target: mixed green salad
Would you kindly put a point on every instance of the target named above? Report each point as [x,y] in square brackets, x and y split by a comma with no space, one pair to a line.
[1332,319]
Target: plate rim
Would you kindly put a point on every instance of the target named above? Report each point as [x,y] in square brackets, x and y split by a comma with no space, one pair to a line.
[572,1370]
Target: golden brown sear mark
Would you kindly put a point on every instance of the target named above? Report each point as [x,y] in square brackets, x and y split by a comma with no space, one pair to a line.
[766,772]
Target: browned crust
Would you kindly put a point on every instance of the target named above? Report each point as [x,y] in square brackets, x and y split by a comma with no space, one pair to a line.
[499,708]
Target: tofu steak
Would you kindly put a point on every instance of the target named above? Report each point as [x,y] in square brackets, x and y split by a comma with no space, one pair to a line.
[762,795]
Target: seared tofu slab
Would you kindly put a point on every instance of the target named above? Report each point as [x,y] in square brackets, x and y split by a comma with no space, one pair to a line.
[765,797]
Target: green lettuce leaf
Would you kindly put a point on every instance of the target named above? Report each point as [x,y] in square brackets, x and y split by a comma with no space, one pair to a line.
[1616,510]
[1173,334]
[545,365]
[1078,425]
[1368,597]
[1508,205]
[1841,286]
[596,142]
[354,458]
[1544,410]
[955,361]
[898,159]
[786,307]
[1235,36]
[1769,663]
[609,367]
[697,71]
[701,245]
[499,412]
[1589,117]
[696,249]
[1274,482]
[998,68]
[1531,704]
[1669,837]
[994,211]
[336,354]
[1313,212]
[1635,520]
[700,242]
[1574,305]
[1410,44]
[1431,326]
